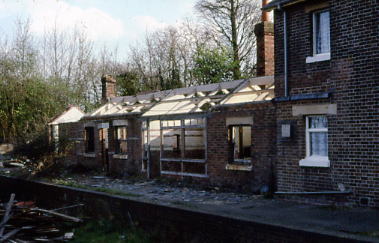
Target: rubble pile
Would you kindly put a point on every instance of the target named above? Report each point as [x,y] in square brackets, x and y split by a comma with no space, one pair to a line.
[24,222]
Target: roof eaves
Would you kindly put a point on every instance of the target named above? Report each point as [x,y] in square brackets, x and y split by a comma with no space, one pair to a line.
[280,3]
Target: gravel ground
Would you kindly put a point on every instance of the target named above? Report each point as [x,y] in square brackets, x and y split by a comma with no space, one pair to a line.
[167,192]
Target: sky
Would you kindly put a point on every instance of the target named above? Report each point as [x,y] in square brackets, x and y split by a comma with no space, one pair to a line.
[111,22]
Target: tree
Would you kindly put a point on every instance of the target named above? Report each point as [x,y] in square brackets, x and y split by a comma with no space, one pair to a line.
[234,20]
[128,83]
[212,65]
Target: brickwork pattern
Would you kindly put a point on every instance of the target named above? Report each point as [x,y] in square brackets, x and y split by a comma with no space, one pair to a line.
[352,75]
[263,147]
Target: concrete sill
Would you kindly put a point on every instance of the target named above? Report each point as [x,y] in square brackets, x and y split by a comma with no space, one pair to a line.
[120,156]
[89,155]
[239,167]
[318,58]
[315,161]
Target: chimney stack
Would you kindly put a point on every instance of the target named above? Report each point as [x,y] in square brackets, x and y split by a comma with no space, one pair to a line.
[108,88]
[264,31]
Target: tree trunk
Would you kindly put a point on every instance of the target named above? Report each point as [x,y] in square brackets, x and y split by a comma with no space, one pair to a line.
[236,59]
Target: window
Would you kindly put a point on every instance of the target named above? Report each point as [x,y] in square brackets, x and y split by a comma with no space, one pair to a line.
[239,137]
[89,138]
[316,136]
[321,32]
[321,36]
[120,141]
[183,150]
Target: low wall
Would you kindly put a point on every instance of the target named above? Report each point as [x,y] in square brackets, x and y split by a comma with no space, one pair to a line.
[172,224]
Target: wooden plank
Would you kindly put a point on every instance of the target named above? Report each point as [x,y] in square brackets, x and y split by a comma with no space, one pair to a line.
[74,219]
[7,214]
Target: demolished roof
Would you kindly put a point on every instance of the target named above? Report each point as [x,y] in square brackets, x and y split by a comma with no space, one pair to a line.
[191,100]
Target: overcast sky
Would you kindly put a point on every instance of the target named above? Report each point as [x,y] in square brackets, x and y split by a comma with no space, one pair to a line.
[113,22]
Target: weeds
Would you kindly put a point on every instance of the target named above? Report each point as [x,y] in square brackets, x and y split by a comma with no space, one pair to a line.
[105,231]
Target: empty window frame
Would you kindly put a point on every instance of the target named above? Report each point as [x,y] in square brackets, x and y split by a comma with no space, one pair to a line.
[121,144]
[89,138]
[183,139]
[321,32]
[239,138]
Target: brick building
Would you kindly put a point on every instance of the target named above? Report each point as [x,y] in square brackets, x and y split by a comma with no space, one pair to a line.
[317,133]
[327,97]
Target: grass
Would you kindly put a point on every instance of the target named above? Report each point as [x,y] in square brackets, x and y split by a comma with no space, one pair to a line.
[105,231]
[98,189]
[371,234]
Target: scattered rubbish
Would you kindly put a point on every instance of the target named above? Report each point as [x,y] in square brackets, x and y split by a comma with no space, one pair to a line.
[23,222]
[99,177]
[68,236]
[12,163]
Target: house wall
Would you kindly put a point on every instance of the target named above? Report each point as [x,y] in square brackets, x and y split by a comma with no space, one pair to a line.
[70,134]
[263,130]
[351,76]
[131,165]
[75,132]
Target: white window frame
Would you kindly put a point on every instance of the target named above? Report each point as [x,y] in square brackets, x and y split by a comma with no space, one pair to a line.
[313,160]
[318,57]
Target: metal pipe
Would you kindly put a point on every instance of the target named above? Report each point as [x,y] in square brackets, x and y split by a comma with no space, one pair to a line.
[285,53]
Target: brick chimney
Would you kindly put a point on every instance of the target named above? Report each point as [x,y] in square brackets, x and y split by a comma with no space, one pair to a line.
[108,88]
[264,31]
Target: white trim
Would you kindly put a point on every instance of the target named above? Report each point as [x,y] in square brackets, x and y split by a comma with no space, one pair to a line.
[89,155]
[244,120]
[317,109]
[89,124]
[315,161]
[103,125]
[164,172]
[120,156]
[119,123]
[318,58]
[239,167]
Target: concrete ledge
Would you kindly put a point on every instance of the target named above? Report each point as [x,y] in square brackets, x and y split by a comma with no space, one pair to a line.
[239,167]
[179,223]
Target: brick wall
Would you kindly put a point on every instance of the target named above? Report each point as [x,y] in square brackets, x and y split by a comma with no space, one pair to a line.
[263,147]
[108,88]
[264,32]
[71,134]
[75,132]
[132,165]
[352,75]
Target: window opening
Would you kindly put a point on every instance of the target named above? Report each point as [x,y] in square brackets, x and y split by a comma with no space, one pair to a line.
[239,137]
[89,139]
[121,144]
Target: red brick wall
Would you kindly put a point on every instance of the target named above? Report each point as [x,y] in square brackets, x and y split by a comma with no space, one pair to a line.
[130,166]
[264,32]
[263,147]
[352,75]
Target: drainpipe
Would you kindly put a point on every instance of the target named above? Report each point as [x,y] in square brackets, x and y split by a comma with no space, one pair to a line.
[285,52]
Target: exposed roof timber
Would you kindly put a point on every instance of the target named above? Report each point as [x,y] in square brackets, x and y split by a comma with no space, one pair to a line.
[280,3]
[187,100]
[254,95]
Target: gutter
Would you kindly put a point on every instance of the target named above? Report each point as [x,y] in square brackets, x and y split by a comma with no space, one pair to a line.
[283,3]
[110,116]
